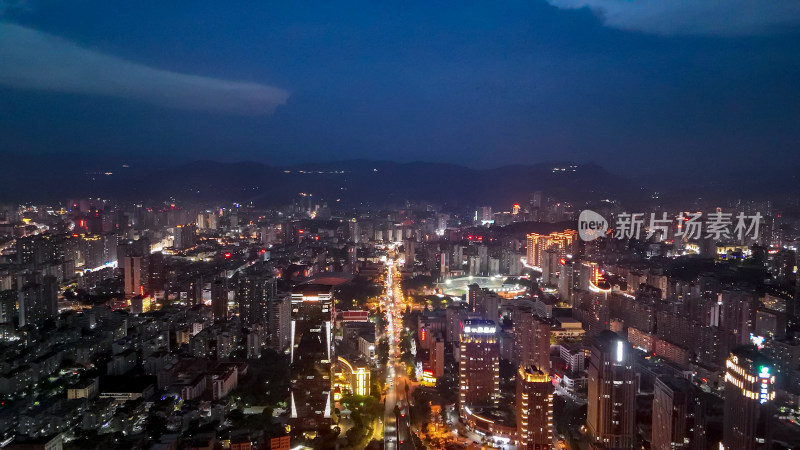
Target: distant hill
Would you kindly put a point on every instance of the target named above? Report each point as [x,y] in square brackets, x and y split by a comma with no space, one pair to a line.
[362,181]
[377,182]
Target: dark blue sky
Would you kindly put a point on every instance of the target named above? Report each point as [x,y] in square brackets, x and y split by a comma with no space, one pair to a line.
[631,83]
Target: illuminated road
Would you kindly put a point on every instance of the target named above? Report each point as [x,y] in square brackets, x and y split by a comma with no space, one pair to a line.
[396,434]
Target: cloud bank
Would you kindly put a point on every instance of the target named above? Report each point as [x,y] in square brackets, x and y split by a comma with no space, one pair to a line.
[698,17]
[39,61]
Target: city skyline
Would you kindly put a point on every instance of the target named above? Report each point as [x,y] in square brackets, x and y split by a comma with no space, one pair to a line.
[514,225]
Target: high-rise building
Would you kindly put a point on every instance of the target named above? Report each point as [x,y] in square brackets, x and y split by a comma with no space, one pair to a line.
[410,253]
[132,269]
[437,356]
[531,339]
[485,302]
[738,314]
[479,364]
[311,356]
[155,273]
[611,415]
[453,317]
[253,296]
[280,318]
[536,199]
[483,258]
[38,302]
[219,300]
[39,249]
[678,418]
[484,215]
[353,232]
[562,242]
[185,236]
[749,400]
[134,259]
[8,309]
[473,290]
[534,408]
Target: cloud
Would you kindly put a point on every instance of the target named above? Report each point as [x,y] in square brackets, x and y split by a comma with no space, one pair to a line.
[698,17]
[39,61]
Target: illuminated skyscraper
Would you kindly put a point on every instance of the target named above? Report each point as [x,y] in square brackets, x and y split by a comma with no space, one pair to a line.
[534,408]
[561,241]
[611,415]
[749,395]
[311,354]
[479,364]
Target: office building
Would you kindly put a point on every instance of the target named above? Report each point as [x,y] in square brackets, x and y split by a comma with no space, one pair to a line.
[479,364]
[311,354]
[749,400]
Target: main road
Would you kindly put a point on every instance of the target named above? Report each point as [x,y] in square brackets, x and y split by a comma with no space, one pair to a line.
[396,419]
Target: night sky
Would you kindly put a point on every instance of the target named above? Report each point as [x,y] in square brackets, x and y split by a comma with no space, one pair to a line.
[637,84]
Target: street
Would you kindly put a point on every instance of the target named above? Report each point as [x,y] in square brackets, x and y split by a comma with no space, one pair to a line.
[396,419]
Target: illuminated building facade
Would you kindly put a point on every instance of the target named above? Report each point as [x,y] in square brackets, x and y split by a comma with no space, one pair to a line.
[749,396]
[611,414]
[479,364]
[562,241]
[356,376]
[311,355]
[534,409]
